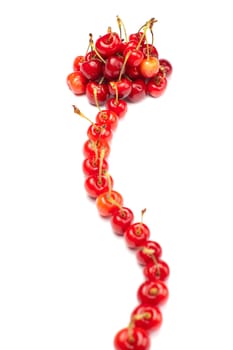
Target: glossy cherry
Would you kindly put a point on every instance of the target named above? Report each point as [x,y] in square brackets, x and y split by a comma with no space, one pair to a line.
[137,37]
[91,166]
[166,66]
[138,91]
[77,83]
[136,235]
[157,85]
[77,62]
[121,220]
[137,339]
[135,56]
[107,203]
[146,254]
[147,317]
[113,67]
[95,185]
[101,92]
[92,149]
[92,69]
[149,67]
[152,293]
[123,87]
[107,117]
[148,48]
[99,132]
[108,44]
[133,72]
[158,270]
[119,107]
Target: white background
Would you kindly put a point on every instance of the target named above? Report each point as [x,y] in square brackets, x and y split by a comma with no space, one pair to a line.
[66,281]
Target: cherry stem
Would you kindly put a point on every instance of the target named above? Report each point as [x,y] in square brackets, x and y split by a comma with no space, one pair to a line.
[95,149]
[77,111]
[109,185]
[121,25]
[114,86]
[150,253]
[142,37]
[123,65]
[96,98]
[102,153]
[146,315]
[91,44]
[142,214]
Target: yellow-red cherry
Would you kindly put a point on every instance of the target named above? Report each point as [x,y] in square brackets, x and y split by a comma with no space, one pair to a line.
[149,67]
[107,203]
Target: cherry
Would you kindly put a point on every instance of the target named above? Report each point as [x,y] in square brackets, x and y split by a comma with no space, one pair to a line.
[147,317]
[137,234]
[166,66]
[149,67]
[136,339]
[123,87]
[108,202]
[121,219]
[152,293]
[137,37]
[149,250]
[76,83]
[138,91]
[77,62]
[117,106]
[92,149]
[90,55]
[133,72]
[135,57]
[101,91]
[98,131]
[97,184]
[113,67]
[158,270]
[90,166]
[149,49]
[92,69]
[107,117]
[157,85]
[108,44]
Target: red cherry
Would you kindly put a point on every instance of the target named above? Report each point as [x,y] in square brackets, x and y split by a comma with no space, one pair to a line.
[90,55]
[92,149]
[157,85]
[101,92]
[101,132]
[137,37]
[152,50]
[137,339]
[136,235]
[90,166]
[119,107]
[138,91]
[166,66]
[123,87]
[132,44]
[152,293]
[133,72]
[107,203]
[149,67]
[147,317]
[107,117]
[121,219]
[92,69]
[77,83]
[135,57]
[95,185]
[77,62]
[108,44]
[149,251]
[156,271]
[113,67]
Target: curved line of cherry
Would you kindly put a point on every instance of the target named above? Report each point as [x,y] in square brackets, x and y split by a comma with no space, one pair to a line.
[153,292]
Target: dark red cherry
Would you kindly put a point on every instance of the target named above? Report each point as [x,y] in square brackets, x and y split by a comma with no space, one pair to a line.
[166,66]
[152,50]
[133,72]
[108,44]
[137,37]
[91,166]
[158,270]
[148,252]
[147,317]
[136,235]
[113,67]
[152,293]
[121,220]
[101,92]
[157,85]
[135,57]
[95,185]
[136,339]
[119,107]
[123,87]
[138,91]
[107,117]
[92,69]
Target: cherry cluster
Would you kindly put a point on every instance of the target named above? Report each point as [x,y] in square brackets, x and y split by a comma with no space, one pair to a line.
[115,70]
[126,70]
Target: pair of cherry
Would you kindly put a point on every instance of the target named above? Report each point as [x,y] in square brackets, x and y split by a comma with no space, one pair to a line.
[112,72]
